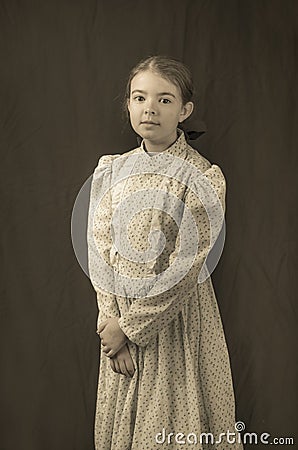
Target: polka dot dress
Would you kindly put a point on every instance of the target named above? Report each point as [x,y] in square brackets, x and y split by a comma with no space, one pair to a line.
[182,387]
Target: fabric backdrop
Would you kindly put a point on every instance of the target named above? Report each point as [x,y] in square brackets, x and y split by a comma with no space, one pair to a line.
[63,71]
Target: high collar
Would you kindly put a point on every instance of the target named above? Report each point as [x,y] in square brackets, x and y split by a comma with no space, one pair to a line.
[177,148]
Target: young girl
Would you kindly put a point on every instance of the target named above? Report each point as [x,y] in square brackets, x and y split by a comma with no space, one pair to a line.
[165,376]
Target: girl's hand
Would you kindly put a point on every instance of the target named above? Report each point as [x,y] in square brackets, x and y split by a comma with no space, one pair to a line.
[122,362]
[113,338]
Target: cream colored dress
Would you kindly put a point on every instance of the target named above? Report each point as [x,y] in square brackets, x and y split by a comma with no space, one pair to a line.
[182,386]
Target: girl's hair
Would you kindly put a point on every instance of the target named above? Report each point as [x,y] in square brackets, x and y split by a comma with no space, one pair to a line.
[169,68]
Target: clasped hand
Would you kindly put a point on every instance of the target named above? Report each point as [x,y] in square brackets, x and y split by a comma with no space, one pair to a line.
[111,335]
[113,342]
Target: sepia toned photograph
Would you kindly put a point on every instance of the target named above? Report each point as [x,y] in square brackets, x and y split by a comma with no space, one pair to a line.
[148,237]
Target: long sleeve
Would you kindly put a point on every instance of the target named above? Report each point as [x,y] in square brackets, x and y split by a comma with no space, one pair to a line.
[99,239]
[149,314]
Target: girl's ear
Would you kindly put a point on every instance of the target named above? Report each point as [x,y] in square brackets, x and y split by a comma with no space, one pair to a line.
[186,111]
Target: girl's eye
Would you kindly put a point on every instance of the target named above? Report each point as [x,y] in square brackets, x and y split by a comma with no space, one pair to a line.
[165,100]
[139,98]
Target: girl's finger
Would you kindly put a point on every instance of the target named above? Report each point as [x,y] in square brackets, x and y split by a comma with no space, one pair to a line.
[112,364]
[117,366]
[111,353]
[123,368]
[130,365]
[128,368]
[101,326]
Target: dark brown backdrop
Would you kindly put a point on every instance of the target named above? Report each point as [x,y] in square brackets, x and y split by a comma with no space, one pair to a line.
[63,69]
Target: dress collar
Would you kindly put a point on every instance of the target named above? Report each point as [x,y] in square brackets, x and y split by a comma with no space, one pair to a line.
[177,148]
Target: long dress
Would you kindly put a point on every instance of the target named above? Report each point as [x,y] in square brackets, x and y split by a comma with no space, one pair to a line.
[182,386]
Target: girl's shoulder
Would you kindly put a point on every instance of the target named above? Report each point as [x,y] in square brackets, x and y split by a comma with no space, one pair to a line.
[104,166]
[106,160]
[211,171]
[111,162]
[197,159]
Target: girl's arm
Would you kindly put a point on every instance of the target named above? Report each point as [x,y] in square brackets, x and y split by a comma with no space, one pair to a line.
[148,315]
[100,229]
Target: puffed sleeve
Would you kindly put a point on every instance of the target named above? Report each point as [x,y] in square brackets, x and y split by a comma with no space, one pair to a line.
[99,238]
[149,314]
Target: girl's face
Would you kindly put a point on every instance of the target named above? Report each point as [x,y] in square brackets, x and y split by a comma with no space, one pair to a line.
[155,108]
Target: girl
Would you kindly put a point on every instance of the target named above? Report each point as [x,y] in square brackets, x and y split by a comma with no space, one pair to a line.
[165,376]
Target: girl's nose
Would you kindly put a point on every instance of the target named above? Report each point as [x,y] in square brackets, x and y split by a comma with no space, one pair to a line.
[150,111]
[150,108]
